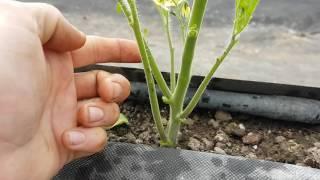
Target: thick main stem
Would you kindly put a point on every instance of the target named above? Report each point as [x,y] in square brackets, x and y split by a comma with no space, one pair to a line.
[179,94]
[150,81]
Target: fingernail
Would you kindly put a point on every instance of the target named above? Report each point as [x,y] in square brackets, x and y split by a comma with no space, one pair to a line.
[116,90]
[76,137]
[95,114]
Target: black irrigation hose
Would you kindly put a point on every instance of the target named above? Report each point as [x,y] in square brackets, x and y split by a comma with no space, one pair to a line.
[269,106]
[140,162]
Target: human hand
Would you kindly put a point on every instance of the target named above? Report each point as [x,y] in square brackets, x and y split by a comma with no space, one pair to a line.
[50,115]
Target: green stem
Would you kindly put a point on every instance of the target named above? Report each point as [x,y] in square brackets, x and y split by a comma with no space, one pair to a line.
[126,11]
[157,73]
[195,99]
[179,94]
[150,81]
[169,37]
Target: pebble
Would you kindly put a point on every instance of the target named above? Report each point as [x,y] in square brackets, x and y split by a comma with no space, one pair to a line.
[188,122]
[220,145]
[252,138]
[244,149]
[219,150]
[196,117]
[241,126]
[229,144]
[208,144]
[238,132]
[230,127]
[131,138]
[197,136]
[280,139]
[213,123]
[145,126]
[222,116]
[221,137]
[138,115]
[144,136]
[317,144]
[255,147]
[234,129]
[194,144]
[251,156]
[293,146]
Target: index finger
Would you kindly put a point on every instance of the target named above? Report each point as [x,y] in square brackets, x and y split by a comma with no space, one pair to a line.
[102,50]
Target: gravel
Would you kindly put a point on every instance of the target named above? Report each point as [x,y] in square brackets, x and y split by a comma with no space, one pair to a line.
[252,138]
[222,116]
[225,133]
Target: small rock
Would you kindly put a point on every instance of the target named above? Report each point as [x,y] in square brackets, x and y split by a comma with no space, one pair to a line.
[251,155]
[311,162]
[194,144]
[144,136]
[317,144]
[219,150]
[288,134]
[188,122]
[241,126]
[230,127]
[196,117]
[255,147]
[280,139]
[252,138]
[145,126]
[220,145]
[131,138]
[208,144]
[234,129]
[139,141]
[197,136]
[139,115]
[244,149]
[284,146]
[222,116]
[213,123]
[221,137]
[238,132]
[293,146]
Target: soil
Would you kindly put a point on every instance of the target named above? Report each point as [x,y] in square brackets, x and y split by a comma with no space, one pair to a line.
[225,133]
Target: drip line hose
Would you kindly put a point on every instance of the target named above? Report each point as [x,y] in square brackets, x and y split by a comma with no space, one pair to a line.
[270,106]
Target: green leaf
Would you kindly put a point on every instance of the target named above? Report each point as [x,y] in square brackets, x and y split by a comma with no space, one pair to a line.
[119,8]
[123,120]
[244,11]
